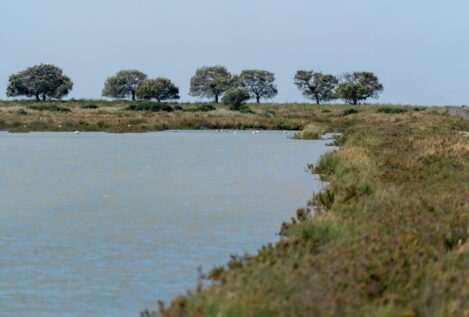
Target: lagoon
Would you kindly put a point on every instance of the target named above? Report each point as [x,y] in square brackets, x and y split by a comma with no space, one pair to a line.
[100,224]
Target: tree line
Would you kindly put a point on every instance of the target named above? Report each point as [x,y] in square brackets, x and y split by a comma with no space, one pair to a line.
[47,81]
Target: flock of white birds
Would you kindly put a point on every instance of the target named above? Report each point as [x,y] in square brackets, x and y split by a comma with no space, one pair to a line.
[218,131]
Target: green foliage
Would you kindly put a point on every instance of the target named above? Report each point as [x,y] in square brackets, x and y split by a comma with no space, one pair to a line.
[235,98]
[124,84]
[312,131]
[327,163]
[160,89]
[391,110]
[41,82]
[211,81]
[245,109]
[21,112]
[349,111]
[206,107]
[316,85]
[260,83]
[89,106]
[49,107]
[311,229]
[359,86]
[150,106]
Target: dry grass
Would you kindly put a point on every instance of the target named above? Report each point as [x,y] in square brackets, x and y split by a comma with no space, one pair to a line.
[112,117]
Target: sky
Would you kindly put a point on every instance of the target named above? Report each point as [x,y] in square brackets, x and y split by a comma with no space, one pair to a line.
[419,49]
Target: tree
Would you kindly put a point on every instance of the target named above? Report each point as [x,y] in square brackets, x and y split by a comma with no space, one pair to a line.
[40,81]
[125,83]
[316,85]
[359,86]
[211,82]
[159,89]
[236,97]
[260,83]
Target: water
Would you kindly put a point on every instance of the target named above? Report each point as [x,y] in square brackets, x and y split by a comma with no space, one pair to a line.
[103,225]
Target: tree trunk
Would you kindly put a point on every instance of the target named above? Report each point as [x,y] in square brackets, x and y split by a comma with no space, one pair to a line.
[43,97]
[133,95]
[216,98]
[37,97]
[258,98]
[318,100]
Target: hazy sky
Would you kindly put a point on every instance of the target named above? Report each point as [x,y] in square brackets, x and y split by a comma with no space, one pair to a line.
[418,48]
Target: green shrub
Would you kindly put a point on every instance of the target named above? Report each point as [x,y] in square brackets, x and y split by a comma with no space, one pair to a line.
[235,98]
[328,163]
[52,108]
[150,106]
[21,112]
[245,109]
[206,107]
[391,110]
[89,106]
[269,114]
[312,131]
[201,108]
[38,125]
[349,111]
[316,230]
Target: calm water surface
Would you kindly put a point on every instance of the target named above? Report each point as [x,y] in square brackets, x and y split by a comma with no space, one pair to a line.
[106,224]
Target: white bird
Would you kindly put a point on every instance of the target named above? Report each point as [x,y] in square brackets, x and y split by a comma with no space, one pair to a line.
[253,132]
[77,132]
[284,132]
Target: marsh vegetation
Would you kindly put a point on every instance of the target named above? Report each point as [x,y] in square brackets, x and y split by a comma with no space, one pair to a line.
[388,237]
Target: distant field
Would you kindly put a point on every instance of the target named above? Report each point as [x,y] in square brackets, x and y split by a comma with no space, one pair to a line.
[109,116]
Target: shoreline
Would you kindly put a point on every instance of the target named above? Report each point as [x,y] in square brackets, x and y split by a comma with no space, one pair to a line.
[390,218]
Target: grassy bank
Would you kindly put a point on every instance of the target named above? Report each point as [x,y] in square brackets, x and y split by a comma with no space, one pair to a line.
[389,235]
[27,116]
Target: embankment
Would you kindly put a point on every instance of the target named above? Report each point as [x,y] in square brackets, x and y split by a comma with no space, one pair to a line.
[389,237]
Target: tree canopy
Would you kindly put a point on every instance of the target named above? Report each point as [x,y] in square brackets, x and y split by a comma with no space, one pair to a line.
[260,83]
[211,82]
[316,85]
[124,84]
[359,86]
[160,89]
[236,97]
[41,82]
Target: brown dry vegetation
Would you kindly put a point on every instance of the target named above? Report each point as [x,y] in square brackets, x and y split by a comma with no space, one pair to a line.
[112,117]
[388,238]
[20,116]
